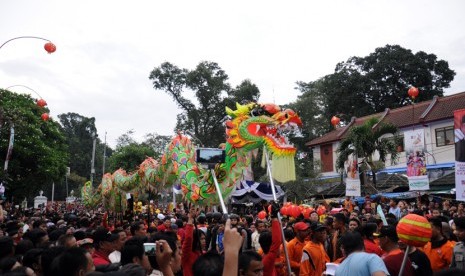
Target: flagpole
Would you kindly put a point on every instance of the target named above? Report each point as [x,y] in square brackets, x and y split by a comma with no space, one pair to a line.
[275,198]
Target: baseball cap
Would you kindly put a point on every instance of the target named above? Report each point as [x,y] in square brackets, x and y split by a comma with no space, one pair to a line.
[318,227]
[300,226]
[102,234]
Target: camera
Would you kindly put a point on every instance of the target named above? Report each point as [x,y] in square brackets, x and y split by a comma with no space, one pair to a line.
[210,156]
[149,249]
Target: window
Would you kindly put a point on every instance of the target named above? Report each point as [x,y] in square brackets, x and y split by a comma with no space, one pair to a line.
[444,136]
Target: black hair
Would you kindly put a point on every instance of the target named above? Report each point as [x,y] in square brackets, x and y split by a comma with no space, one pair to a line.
[133,247]
[351,242]
[32,257]
[23,246]
[35,235]
[80,235]
[289,234]
[6,264]
[70,262]
[135,227]
[47,257]
[201,219]
[436,222]
[170,238]
[6,247]
[65,238]
[196,246]
[208,264]
[265,240]
[246,258]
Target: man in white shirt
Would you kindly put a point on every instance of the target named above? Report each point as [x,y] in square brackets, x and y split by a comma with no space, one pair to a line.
[115,256]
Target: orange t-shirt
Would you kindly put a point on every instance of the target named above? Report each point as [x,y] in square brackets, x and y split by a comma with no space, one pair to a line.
[314,259]
[440,257]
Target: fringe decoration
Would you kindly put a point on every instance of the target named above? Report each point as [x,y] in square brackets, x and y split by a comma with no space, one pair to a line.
[283,168]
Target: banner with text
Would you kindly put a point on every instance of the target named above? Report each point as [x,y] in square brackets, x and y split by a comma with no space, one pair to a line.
[352,177]
[459,133]
[416,162]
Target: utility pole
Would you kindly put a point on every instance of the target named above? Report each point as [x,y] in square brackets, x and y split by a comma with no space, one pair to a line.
[68,172]
[92,163]
[104,153]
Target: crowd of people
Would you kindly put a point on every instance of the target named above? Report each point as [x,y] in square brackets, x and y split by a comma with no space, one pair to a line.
[351,238]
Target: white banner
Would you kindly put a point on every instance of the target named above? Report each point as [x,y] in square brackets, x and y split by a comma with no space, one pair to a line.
[459,131]
[416,162]
[352,179]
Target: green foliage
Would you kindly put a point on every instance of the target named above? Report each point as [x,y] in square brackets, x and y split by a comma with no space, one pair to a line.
[129,154]
[209,84]
[157,143]
[364,141]
[39,154]
[366,85]
[79,131]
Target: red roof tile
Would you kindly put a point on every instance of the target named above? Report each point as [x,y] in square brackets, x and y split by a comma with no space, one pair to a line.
[439,108]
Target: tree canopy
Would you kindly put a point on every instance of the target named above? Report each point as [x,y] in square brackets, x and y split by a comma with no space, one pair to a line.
[365,85]
[202,118]
[40,152]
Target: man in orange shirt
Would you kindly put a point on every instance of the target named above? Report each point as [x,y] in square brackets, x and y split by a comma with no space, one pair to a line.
[296,245]
[439,250]
[314,257]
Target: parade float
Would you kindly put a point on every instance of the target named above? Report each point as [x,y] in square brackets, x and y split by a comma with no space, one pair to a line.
[250,126]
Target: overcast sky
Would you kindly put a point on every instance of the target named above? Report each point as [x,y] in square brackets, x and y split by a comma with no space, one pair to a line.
[107,49]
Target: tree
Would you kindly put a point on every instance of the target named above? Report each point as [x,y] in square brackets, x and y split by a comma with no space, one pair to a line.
[366,85]
[157,143]
[208,81]
[364,141]
[39,155]
[79,131]
[243,93]
[129,154]
[391,70]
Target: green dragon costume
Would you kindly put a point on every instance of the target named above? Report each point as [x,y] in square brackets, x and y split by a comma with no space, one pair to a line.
[249,127]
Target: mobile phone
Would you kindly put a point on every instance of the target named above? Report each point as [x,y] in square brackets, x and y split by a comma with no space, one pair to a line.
[210,155]
[149,248]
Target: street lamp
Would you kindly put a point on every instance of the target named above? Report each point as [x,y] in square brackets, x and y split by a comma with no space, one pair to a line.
[40,102]
[49,46]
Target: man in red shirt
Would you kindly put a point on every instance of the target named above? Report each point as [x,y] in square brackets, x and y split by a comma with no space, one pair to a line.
[103,243]
[388,241]
[270,243]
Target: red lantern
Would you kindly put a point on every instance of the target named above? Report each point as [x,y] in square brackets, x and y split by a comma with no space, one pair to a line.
[413,92]
[45,117]
[262,215]
[295,211]
[50,47]
[321,210]
[284,211]
[41,103]
[335,121]
[414,230]
[306,212]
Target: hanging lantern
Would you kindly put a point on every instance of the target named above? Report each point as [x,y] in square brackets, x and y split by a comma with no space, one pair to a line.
[45,117]
[261,215]
[50,47]
[335,121]
[306,212]
[413,92]
[41,103]
[321,210]
[414,230]
[284,211]
[295,211]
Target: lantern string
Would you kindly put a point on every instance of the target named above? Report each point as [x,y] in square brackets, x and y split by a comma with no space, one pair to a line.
[19,37]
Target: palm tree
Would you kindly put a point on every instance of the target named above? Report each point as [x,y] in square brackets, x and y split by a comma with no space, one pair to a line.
[364,140]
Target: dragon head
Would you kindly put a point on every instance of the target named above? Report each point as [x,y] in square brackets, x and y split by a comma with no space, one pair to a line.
[255,125]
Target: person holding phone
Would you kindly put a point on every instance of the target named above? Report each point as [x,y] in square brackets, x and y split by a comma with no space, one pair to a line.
[193,245]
